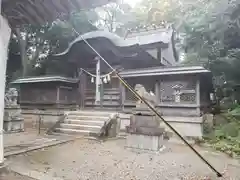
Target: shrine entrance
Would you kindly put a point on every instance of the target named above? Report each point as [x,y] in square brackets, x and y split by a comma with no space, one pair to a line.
[95,88]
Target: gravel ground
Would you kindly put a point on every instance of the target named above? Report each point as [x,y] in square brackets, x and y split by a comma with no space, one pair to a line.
[91,160]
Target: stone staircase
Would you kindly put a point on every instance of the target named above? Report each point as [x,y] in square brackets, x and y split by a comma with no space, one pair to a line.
[87,123]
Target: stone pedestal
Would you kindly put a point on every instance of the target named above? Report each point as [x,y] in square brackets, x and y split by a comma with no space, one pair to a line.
[144,142]
[144,131]
[13,120]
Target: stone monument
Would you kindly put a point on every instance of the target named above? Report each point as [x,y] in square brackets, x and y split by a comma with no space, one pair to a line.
[13,120]
[144,131]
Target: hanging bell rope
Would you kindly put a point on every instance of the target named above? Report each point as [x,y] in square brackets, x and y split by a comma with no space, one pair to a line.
[93,75]
[108,78]
[105,80]
[92,80]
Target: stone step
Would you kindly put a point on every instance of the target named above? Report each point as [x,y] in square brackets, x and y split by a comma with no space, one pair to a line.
[76,131]
[85,122]
[105,108]
[90,118]
[81,127]
[90,113]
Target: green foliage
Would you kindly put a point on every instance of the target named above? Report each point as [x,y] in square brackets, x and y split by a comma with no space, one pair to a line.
[31,46]
[61,33]
[113,16]
[225,137]
[235,109]
[212,34]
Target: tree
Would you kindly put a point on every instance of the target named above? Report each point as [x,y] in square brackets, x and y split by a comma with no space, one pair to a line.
[209,30]
[33,44]
[112,16]
[61,33]
[37,43]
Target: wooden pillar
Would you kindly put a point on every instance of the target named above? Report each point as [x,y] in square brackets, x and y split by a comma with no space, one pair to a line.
[58,95]
[5,33]
[82,90]
[98,81]
[198,101]
[122,95]
[157,91]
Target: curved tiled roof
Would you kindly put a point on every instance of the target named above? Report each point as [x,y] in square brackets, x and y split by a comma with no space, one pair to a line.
[45,79]
[117,41]
[113,38]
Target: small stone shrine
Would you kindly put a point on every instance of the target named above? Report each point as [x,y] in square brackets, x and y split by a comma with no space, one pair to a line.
[144,131]
[13,120]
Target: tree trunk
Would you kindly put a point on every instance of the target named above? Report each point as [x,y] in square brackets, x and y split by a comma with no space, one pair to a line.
[22,45]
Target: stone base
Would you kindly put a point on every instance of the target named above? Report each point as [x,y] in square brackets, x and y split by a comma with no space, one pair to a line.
[13,126]
[142,111]
[144,119]
[13,120]
[148,131]
[139,141]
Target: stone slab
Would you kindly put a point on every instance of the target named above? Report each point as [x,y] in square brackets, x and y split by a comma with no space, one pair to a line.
[148,131]
[36,144]
[152,143]
[144,121]
[36,175]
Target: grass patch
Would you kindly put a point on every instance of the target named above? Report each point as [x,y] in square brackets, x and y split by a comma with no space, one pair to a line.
[225,137]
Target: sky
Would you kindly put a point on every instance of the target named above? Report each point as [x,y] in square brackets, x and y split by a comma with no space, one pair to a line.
[132,2]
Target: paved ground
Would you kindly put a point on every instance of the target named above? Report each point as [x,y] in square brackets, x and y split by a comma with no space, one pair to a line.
[8,175]
[90,160]
[18,138]
[29,140]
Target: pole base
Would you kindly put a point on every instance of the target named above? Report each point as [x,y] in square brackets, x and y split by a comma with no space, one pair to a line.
[3,164]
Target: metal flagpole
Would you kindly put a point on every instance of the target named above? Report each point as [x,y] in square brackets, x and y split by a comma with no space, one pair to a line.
[151,108]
